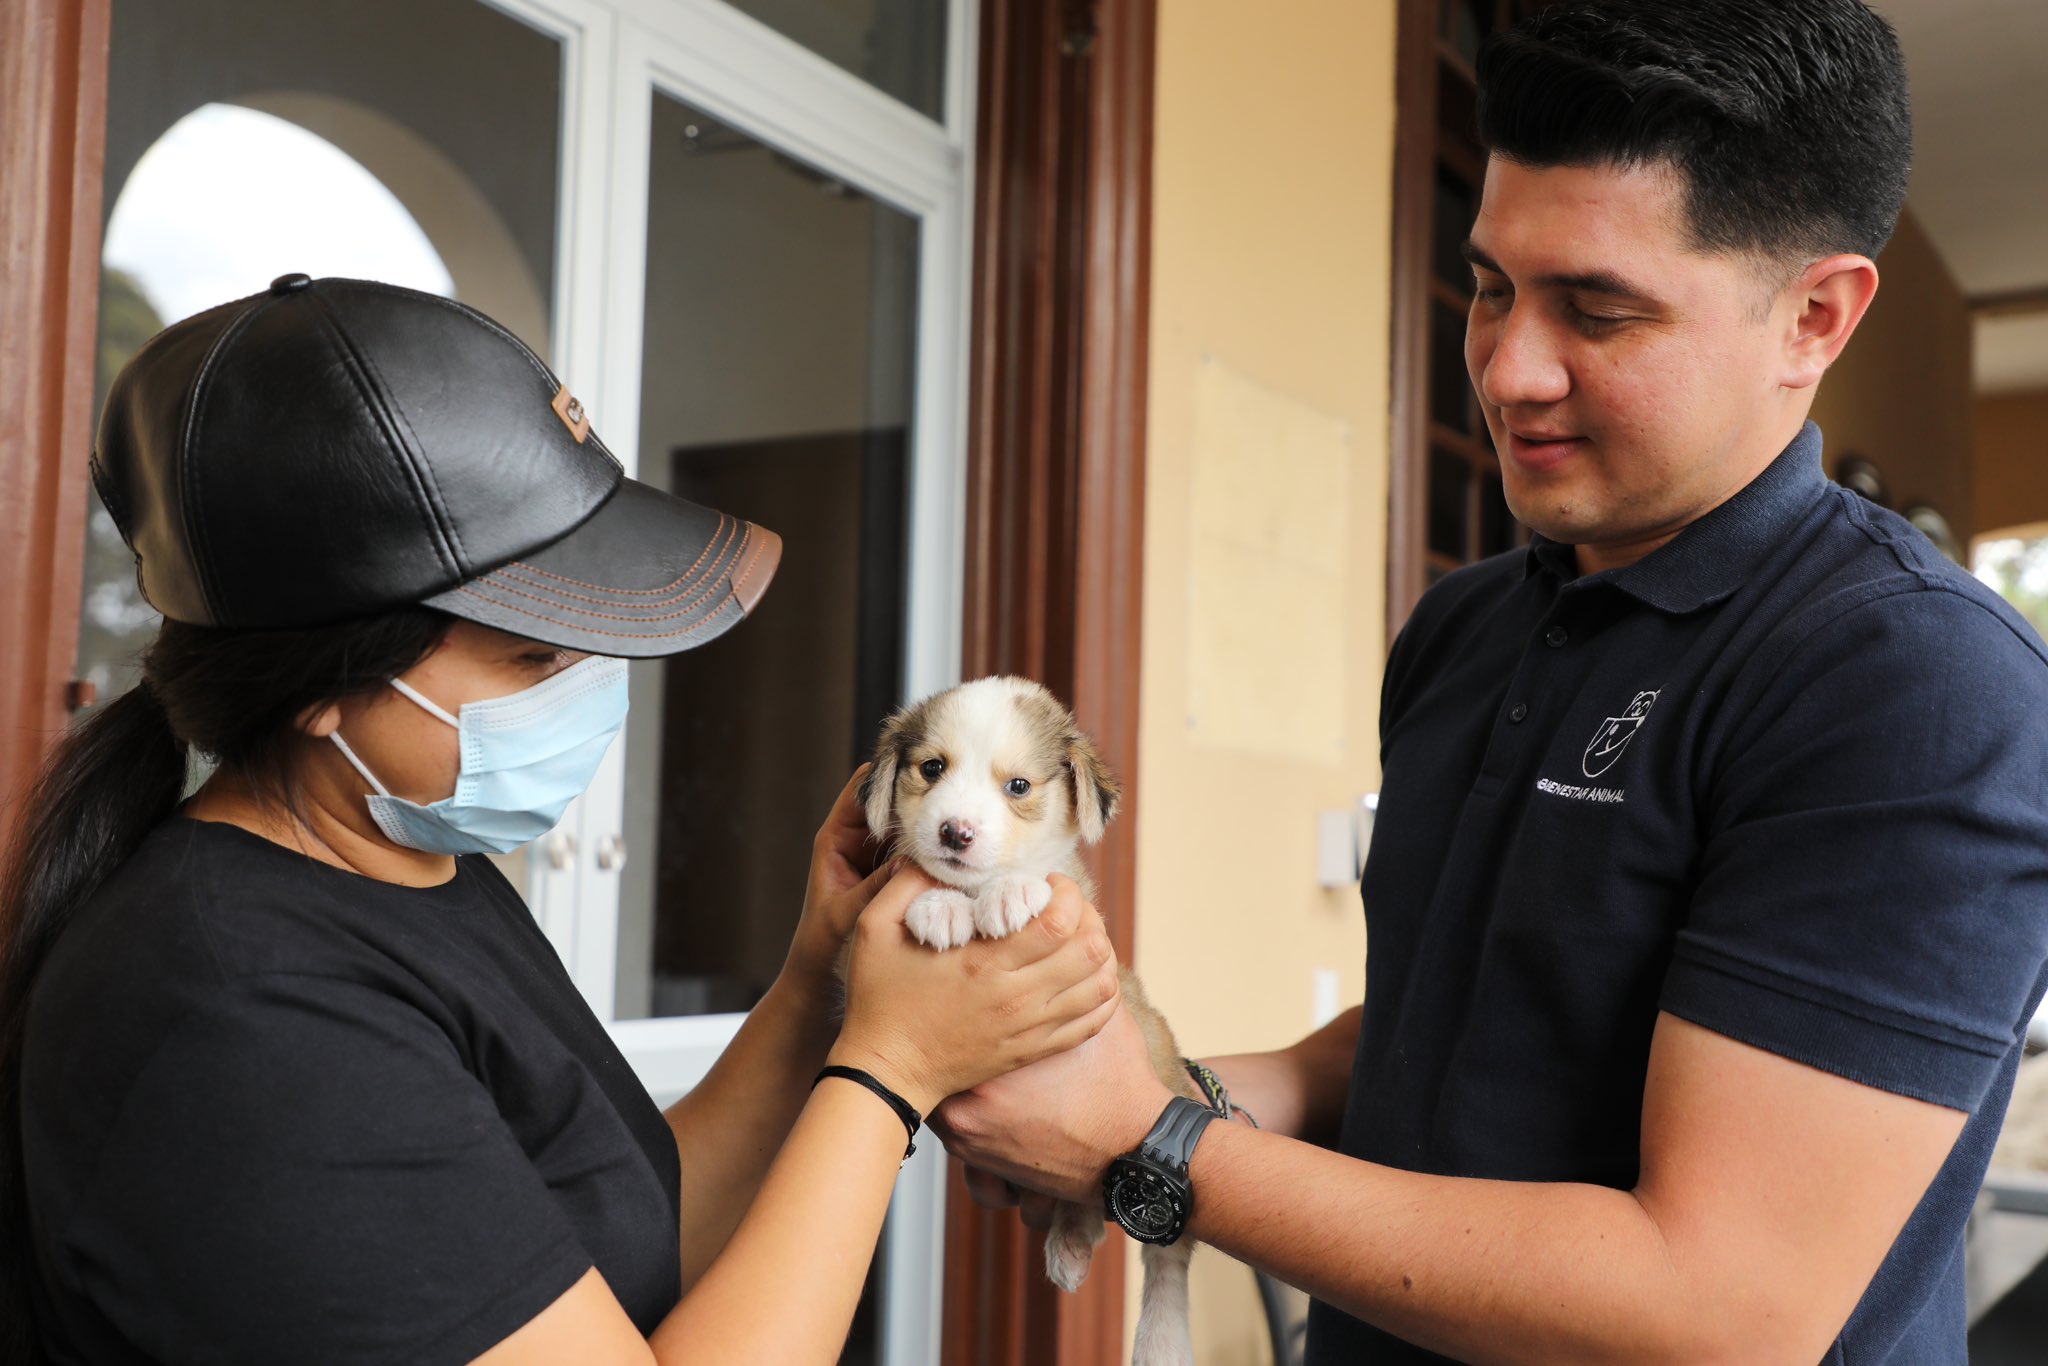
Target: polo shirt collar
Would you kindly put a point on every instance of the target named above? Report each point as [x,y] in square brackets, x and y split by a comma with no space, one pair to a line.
[1716,555]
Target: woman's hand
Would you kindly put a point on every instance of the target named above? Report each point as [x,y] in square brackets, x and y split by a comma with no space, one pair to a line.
[1054,1126]
[847,869]
[929,1024]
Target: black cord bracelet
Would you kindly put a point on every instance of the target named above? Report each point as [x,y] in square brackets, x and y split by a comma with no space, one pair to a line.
[910,1117]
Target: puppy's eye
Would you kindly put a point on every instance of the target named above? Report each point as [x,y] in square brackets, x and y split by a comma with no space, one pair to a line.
[932,768]
[1018,787]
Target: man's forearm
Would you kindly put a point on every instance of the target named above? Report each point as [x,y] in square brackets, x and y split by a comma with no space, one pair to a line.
[1483,1271]
[729,1128]
[1298,1091]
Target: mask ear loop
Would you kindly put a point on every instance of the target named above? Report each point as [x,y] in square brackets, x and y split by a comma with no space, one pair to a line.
[407,690]
[360,766]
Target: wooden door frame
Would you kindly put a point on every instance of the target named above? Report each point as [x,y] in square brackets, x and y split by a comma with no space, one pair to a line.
[1424,59]
[1055,523]
[53,110]
[1415,137]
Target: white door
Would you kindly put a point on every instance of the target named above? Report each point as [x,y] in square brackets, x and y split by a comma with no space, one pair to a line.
[782,336]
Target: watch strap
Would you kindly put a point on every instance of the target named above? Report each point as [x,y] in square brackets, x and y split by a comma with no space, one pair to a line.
[1174,1135]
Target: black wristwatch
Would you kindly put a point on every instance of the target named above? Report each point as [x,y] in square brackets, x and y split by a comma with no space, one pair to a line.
[1147,1192]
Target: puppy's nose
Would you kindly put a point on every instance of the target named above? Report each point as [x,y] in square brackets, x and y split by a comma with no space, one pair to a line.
[956,834]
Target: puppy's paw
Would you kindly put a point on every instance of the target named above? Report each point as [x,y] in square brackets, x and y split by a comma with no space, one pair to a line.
[1008,904]
[942,918]
[1070,1245]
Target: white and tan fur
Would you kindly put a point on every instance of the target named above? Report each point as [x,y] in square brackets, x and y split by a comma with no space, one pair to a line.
[952,764]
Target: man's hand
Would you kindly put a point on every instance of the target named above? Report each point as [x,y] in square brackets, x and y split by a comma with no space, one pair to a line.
[993,1192]
[1054,1127]
[1297,1091]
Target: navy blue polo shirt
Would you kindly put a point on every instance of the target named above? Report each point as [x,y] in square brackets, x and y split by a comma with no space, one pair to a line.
[1786,777]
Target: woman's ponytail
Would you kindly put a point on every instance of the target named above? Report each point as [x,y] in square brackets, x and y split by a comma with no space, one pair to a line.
[232,696]
[104,787]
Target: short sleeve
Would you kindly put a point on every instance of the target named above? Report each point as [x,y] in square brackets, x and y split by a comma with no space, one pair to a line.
[305,1172]
[1873,889]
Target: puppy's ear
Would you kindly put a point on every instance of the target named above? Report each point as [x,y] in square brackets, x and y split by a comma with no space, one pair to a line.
[878,789]
[1096,790]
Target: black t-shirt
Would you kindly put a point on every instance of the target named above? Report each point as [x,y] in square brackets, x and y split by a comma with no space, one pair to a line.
[1786,778]
[277,1112]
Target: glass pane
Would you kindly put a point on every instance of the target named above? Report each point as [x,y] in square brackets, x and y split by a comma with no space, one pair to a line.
[777,386]
[1450,480]
[1457,109]
[1456,207]
[1450,389]
[467,150]
[114,623]
[1465,24]
[2017,568]
[244,142]
[898,46]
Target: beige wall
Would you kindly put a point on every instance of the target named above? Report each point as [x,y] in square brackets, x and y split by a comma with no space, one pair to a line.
[1900,395]
[2012,460]
[1265,527]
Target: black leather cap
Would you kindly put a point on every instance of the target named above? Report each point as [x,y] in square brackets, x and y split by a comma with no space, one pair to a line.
[334,448]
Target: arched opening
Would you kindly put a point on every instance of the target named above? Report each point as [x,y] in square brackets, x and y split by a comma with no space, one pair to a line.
[229,197]
[484,262]
[225,200]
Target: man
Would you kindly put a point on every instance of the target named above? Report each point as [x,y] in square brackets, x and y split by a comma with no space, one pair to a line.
[1709,893]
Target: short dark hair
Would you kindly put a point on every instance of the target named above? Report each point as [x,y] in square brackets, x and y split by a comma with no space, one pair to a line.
[1788,119]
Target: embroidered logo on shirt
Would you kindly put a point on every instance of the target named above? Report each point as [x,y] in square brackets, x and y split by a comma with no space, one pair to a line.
[1581,794]
[1614,734]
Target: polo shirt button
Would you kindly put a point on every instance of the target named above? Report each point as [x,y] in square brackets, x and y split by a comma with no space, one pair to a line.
[1518,712]
[1557,636]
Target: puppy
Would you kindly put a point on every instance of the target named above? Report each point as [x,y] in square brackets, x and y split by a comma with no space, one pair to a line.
[990,786]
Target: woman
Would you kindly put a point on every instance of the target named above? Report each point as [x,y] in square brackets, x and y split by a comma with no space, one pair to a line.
[294,1074]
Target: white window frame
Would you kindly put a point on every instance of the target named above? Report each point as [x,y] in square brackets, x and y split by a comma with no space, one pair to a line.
[617,54]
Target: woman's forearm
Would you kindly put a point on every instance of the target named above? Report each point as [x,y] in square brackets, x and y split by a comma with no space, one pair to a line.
[784,1287]
[729,1128]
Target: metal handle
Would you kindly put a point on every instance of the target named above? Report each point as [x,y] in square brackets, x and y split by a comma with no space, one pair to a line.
[611,853]
[559,849]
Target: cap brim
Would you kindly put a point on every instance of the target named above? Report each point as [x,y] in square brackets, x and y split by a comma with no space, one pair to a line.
[647,574]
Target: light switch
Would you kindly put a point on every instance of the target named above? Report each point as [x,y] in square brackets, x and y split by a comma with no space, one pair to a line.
[1342,838]
[1336,849]
[1325,1000]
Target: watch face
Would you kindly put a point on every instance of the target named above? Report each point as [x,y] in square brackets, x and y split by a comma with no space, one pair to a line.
[1150,1208]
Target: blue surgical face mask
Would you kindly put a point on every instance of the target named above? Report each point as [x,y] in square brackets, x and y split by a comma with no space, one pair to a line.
[525,757]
